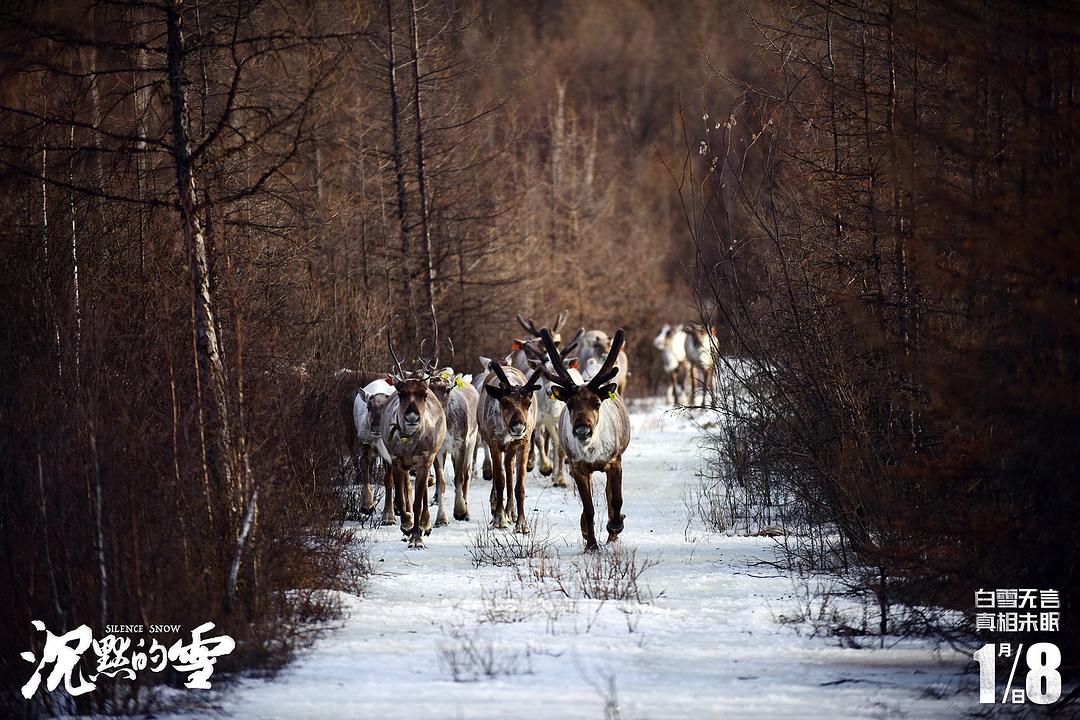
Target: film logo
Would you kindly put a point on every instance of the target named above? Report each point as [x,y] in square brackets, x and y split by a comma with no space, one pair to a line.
[124,651]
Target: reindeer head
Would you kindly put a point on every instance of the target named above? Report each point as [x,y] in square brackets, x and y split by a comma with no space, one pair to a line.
[514,400]
[412,395]
[376,403]
[602,342]
[583,401]
[412,386]
[441,382]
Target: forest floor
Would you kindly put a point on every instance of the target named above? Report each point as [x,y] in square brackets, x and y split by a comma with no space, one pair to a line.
[707,636]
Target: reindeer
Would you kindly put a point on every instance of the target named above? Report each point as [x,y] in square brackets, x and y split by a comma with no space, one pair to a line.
[368,409]
[595,346]
[459,400]
[413,429]
[523,356]
[548,411]
[594,429]
[671,342]
[699,354]
[478,383]
[340,396]
[507,415]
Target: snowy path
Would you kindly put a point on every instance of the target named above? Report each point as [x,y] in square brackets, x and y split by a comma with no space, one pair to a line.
[708,646]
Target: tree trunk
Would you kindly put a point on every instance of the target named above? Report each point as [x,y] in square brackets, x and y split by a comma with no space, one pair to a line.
[421,179]
[211,383]
[399,179]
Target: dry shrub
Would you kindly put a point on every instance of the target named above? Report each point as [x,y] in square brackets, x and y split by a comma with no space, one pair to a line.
[491,546]
[613,573]
[506,605]
[468,656]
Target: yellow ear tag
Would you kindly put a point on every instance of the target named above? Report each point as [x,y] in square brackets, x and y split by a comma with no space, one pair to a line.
[444,376]
[459,382]
[611,395]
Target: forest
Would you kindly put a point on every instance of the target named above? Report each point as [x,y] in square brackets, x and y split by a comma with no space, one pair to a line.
[217,213]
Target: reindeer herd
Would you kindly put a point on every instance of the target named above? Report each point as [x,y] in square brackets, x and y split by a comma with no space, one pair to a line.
[561,402]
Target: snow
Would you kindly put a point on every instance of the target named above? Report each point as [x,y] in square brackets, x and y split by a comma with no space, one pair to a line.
[708,645]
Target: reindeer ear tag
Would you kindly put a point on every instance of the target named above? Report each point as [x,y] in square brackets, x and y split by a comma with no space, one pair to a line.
[515,345]
[611,395]
[554,393]
[459,382]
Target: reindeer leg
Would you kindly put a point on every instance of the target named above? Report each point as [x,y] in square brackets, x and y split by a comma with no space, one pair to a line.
[388,495]
[498,516]
[583,479]
[462,474]
[404,490]
[367,500]
[508,473]
[532,456]
[560,461]
[425,513]
[519,492]
[546,466]
[419,509]
[488,464]
[613,490]
[440,487]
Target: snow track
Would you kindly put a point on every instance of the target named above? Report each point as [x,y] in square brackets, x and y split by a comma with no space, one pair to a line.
[709,645]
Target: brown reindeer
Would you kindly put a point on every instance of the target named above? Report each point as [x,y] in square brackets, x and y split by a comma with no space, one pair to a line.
[506,415]
[413,429]
[594,430]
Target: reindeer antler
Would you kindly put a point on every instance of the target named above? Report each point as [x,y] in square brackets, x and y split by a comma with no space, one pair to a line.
[559,320]
[390,346]
[527,325]
[570,346]
[497,369]
[435,324]
[608,369]
[562,375]
[531,384]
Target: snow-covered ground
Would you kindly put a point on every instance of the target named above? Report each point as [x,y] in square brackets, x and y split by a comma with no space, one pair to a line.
[708,645]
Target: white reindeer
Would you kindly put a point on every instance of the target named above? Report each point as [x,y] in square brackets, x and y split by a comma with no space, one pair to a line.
[671,342]
[700,343]
[367,417]
[595,346]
